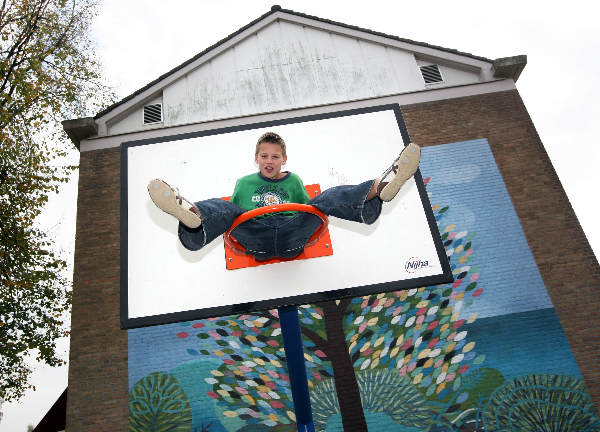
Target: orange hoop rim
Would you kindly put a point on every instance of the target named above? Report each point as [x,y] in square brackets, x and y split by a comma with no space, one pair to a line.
[277,208]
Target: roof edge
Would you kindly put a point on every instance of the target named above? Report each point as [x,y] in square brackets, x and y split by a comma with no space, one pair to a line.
[509,67]
[385,35]
[79,129]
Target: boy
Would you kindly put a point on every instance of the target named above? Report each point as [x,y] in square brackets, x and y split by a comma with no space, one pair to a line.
[282,235]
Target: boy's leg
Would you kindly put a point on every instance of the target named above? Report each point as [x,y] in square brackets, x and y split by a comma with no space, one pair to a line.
[362,203]
[277,235]
[199,223]
[349,202]
[217,216]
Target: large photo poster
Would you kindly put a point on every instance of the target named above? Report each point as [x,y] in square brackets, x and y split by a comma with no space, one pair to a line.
[164,282]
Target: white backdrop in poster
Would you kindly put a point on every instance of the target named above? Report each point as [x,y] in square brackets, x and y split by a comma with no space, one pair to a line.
[163,277]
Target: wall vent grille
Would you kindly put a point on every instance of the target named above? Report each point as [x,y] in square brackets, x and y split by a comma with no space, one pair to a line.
[153,114]
[431,74]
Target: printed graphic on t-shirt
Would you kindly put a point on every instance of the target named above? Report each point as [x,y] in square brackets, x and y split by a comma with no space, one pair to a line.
[267,195]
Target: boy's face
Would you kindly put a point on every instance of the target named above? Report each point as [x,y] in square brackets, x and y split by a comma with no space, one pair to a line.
[270,160]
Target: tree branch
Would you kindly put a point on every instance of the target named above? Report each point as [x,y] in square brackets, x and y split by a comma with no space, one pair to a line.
[315,338]
[22,42]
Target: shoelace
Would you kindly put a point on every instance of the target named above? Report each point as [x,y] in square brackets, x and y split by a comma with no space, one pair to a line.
[394,168]
[396,164]
[180,198]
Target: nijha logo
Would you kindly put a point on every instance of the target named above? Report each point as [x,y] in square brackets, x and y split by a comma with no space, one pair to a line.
[413,264]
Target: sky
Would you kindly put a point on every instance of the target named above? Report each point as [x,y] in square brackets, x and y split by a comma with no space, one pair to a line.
[139,40]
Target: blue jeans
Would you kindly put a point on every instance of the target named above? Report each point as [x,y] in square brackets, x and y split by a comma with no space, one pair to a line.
[278,235]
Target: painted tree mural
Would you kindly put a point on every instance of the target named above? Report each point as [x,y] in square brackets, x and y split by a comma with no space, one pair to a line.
[411,340]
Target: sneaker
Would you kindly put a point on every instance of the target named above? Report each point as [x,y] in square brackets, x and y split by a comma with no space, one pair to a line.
[403,168]
[169,201]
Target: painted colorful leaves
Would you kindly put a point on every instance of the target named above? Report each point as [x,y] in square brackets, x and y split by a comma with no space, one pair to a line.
[420,331]
[251,384]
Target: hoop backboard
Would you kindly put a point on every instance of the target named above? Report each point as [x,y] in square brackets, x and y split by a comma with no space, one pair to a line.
[162,282]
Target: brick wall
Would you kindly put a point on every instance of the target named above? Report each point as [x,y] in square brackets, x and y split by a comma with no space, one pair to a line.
[565,259]
[98,394]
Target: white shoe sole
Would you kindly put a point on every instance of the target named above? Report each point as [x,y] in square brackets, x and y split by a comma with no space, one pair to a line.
[407,163]
[166,199]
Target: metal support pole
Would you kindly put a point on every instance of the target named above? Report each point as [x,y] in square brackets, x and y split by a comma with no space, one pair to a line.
[292,344]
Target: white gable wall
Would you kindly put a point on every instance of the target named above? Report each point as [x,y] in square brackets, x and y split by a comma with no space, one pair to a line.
[286,65]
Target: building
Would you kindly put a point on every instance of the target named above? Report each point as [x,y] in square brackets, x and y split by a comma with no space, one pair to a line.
[494,193]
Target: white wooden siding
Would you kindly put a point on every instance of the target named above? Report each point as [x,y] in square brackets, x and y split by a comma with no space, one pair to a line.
[286,66]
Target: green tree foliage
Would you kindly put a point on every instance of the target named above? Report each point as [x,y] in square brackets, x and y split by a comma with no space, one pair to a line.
[48,72]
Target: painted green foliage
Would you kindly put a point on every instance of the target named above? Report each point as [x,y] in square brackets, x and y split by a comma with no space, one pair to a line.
[551,403]
[382,390]
[157,403]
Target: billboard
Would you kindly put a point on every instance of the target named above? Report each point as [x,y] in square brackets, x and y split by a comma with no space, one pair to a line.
[163,282]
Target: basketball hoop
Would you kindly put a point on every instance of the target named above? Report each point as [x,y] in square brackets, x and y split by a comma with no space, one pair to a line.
[277,208]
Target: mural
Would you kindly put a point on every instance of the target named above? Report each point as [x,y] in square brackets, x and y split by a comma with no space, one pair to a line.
[486,352]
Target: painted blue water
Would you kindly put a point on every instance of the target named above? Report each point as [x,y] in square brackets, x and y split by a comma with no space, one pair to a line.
[524,343]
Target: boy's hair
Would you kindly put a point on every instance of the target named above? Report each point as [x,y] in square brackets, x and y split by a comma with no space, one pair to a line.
[273,138]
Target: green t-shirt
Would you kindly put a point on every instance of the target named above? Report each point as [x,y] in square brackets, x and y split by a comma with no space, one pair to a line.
[254,191]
